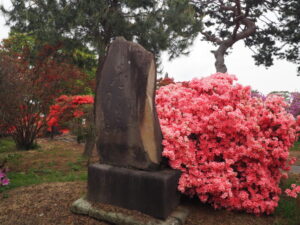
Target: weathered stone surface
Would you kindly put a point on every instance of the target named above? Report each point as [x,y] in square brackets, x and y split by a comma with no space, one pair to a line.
[151,192]
[127,127]
[82,206]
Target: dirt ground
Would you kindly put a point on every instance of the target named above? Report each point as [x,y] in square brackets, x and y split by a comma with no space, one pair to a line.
[44,204]
[297,155]
[49,204]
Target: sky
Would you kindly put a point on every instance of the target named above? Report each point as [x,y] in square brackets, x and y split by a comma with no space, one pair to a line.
[282,76]
[200,63]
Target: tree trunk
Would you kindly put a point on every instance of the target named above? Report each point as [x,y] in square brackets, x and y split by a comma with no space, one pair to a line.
[89,145]
[24,143]
[220,58]
[90,140]
[239,19]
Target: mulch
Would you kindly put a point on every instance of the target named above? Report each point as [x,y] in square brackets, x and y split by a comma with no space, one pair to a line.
[44,204]
[49,204]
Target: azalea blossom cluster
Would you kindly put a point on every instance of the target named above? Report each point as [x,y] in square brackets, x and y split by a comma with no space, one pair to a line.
[3,177]
[67,107]
[232,149]
[293,191]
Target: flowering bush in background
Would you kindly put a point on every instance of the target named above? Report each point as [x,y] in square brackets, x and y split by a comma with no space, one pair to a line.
[294,107]
[67,108]
[230,147]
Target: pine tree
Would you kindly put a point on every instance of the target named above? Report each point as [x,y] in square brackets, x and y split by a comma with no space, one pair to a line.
[157,25]
[270,28]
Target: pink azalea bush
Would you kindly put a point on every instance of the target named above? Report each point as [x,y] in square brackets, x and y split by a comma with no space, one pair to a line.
[232,149]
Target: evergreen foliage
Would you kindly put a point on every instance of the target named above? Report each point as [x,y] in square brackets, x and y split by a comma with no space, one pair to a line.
[157,25]
[270,28]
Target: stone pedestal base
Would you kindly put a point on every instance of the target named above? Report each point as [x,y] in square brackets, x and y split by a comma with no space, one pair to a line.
[150,192]
[119,217]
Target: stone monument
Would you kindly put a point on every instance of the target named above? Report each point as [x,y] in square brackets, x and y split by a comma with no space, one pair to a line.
[127,127]
[128,136]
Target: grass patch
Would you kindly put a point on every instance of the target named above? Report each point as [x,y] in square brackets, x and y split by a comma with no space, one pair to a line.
[54,161]
[7,145]
[19,179]
[74,166]
[288,210]
[296,146]
[13,158]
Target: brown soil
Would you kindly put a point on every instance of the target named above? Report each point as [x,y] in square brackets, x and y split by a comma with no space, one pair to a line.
[49,204]
[44,204]
[297,155]
[201,214]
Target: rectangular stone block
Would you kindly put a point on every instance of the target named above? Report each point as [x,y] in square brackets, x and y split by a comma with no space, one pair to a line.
[150,192]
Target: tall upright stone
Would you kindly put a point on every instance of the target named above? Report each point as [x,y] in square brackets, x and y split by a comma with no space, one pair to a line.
[129,136]
[127,127]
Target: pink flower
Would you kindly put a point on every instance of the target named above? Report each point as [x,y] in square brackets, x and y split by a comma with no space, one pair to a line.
[293,192]
[228,145]
[5,181]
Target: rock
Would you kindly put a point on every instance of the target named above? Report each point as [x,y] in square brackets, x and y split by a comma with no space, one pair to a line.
[83,207]
[151,192]
[127,127]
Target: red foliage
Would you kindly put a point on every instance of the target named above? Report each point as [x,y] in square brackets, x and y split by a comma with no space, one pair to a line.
[67,108]
[30,81]
[231,148]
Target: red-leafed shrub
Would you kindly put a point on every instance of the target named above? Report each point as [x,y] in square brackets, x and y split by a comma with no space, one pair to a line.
[30,79]
[67,108]
[230,147]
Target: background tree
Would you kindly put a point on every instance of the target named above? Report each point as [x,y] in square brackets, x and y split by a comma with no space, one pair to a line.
[269,27]
[157,25]
[28,87]
[79,55]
